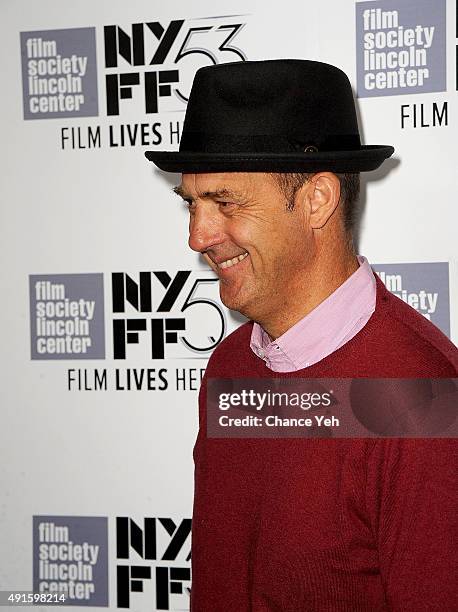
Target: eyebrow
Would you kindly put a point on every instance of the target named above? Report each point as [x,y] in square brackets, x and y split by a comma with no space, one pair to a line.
[224,192]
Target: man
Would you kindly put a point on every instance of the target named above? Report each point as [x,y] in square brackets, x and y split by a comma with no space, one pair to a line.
[270,156]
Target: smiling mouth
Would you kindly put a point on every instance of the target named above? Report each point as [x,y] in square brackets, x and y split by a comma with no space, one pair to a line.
[232,262]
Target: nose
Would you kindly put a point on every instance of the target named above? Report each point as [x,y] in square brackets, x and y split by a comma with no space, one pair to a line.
[205,227]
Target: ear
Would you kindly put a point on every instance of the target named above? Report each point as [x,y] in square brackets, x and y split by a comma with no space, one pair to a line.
[322,194]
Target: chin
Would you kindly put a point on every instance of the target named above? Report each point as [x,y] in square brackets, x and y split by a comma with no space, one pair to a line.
[237,303]
[231,303]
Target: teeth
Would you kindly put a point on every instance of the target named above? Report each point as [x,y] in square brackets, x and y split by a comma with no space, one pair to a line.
[231,262]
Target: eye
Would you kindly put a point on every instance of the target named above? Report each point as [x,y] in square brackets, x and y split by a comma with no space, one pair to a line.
[225,205]
[190,205]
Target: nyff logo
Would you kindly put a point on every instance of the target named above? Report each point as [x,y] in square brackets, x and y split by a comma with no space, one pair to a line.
[156,53]
[161,540]
[186,309]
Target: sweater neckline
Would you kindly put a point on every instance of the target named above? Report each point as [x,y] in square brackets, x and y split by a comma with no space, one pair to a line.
[327,364]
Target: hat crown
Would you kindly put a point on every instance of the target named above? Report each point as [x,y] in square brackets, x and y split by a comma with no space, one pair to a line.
[270,106]
[283,115]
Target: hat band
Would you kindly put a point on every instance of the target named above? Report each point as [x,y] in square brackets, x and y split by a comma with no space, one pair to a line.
[199,142]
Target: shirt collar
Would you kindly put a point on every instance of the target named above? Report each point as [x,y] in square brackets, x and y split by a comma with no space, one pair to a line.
[323,330]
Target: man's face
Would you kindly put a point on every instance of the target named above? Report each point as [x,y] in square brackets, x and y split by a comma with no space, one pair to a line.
[259,249]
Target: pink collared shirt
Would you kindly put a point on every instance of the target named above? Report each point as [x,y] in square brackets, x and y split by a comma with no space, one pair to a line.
[323,330]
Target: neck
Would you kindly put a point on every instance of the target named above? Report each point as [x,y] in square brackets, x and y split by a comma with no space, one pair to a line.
[327,271]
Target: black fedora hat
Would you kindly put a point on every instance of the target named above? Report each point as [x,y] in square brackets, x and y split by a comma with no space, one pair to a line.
[271,116]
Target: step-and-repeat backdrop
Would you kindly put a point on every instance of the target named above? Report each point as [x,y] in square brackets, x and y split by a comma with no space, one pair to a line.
[108,319]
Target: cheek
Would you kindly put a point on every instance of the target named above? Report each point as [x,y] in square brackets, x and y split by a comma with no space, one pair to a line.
[243,235]
[291,245]
[253,234]
[267,239]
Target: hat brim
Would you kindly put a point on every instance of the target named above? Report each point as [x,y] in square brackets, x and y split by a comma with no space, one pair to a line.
[368,157]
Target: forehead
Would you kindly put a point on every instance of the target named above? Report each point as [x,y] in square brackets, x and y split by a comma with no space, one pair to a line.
[243,183]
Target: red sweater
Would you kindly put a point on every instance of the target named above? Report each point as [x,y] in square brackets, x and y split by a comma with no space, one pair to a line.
[321,525]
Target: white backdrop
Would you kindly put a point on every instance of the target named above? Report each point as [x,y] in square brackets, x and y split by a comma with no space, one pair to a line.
[72,454]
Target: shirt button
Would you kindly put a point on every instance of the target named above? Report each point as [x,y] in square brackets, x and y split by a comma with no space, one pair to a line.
[261,353]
